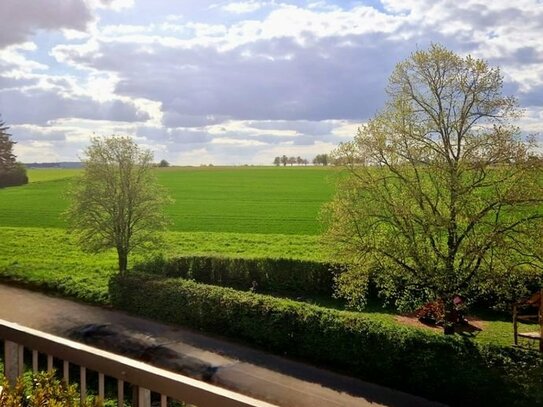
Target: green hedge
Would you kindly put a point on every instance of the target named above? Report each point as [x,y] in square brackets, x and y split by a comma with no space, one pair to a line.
[449,369]
[297,277]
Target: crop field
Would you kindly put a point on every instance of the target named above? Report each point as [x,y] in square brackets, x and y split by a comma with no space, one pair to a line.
[259,200]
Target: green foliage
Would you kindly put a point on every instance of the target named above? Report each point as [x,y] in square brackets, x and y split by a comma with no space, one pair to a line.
[452,370]
[289,276]
[117,202]
[45,259]
[443,196]
[42,389]
[13,176]
[7,158]
[11,172]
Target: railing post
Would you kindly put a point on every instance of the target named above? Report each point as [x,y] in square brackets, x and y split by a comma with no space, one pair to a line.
[141,397]
[11,362]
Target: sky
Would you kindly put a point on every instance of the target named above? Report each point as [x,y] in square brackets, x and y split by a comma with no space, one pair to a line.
[236,82]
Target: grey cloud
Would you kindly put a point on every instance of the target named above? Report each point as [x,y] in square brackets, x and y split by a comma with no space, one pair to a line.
[175,119]
[22,18]
[37,106]
[300,126]
[23,134]
[6,82]
[176,136]
[323,80]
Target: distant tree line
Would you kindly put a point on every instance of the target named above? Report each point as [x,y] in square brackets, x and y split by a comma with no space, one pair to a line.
[320,159]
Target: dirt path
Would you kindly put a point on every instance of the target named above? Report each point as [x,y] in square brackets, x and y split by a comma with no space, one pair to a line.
[243,369]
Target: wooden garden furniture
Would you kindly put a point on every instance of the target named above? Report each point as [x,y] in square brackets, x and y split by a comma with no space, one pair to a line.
[530,311]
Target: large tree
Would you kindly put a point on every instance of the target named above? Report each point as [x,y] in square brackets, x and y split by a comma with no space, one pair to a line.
[117,203]
[443,196]
[12,173]
[7,158]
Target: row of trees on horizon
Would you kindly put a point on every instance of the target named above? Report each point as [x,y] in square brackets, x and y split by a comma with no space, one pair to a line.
[320,159]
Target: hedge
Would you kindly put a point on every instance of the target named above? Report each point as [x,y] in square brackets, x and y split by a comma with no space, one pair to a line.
[289,276]
[454,370]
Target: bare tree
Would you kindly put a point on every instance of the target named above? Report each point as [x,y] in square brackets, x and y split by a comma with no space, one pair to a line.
[117,203]
[443,196]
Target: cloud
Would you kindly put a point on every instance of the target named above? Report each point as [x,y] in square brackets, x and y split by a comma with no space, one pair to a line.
[279,79]
[22,18]
[244,80]
[242,7]
[39,106]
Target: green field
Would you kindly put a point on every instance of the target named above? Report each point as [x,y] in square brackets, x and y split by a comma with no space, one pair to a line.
[262,200]
[233,211]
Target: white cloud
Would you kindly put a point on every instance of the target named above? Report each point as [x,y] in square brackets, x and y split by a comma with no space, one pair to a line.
[242,7]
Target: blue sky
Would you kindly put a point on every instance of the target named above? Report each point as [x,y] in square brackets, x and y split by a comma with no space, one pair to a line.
[234,82]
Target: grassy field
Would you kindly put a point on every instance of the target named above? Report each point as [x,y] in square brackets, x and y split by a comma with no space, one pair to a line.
[244,211]
[207,199]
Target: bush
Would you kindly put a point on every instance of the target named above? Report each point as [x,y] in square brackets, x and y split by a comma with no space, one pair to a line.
[451,369]
[42,389]
[298,277]
[14,176]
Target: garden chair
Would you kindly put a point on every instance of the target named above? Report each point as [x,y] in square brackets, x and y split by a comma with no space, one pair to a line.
[530,311]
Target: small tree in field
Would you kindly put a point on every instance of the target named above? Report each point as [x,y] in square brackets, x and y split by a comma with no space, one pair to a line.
[117,203]
[444,196]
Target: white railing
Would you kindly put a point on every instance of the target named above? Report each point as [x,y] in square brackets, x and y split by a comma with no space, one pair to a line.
[145,379]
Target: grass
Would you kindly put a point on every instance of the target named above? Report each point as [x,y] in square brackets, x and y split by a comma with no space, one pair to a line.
[263,200]
[46,258]
[236,211]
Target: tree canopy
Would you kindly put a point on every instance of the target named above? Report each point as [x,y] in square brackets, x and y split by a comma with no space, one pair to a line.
[117,203]
[443,196]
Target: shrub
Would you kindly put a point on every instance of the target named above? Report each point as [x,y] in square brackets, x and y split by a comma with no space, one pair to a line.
[14,176]
[451,369]
[42,389]
[298,277]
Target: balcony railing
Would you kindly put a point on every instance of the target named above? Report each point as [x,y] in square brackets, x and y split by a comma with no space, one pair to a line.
[145,379]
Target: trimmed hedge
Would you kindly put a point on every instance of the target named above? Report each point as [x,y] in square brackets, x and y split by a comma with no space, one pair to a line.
[449,369]
[297,277]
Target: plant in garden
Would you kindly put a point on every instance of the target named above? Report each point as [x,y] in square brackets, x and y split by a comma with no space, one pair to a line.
[117,202]
[42,389]
[442,195]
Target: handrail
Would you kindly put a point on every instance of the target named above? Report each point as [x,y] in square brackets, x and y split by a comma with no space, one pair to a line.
[172,385]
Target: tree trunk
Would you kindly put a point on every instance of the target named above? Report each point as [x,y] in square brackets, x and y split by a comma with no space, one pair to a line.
[448,308]
[123,260]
